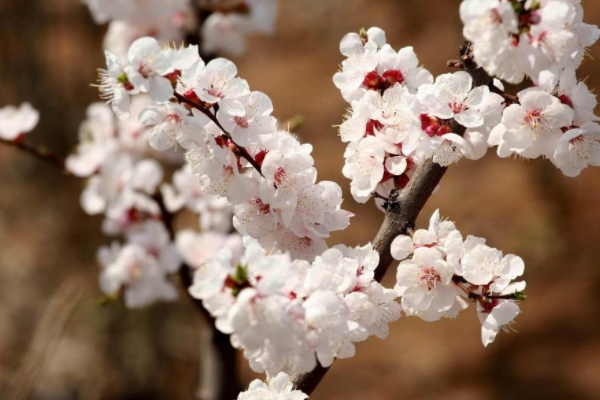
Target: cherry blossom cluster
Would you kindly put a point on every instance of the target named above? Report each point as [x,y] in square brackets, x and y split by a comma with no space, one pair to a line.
[400,116]
[16,122]
[554,120]
[125,183]
[440,270]
[138,269]
[234,144]
[287,314]
[279,387]
[223,25]
[546,41]
[513,39]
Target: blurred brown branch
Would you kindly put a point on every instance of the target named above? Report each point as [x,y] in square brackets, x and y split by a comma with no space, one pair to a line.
[39,152]
[219,378]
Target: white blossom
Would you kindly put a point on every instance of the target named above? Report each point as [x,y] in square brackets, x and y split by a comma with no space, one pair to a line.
[114,86]
[514,39]
[285,176]
[497,318]
[120,174]
[533,127]
[279,387]
[216,82]
[425,284]
[440,270]
[171,124]
[148,65]
[577,149]
[362,57]
[135,271]
[256,119]
[15,122]
[364,166]
[197,249]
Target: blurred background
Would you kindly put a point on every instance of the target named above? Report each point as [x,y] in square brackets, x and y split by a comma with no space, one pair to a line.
[57,342]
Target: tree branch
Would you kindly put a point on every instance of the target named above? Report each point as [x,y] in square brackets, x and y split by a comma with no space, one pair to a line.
[242,152]
[219,378]
[404,207]
[39,152]
[508,98]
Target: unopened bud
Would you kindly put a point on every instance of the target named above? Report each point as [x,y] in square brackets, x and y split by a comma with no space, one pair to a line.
[363,34]
[519,296]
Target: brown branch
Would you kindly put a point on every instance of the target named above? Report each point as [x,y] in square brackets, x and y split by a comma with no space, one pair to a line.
[460,282]
[39,152]
[454,64]
[219,379]
[200,107]
[404,207]
[242,152]
[508,98]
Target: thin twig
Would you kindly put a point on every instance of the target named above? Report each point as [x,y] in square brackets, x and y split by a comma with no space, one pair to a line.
[460,282]
[378,196]
[403,210]
[200,107]
[509,98]
[454,64]
[242,152]
[39,152]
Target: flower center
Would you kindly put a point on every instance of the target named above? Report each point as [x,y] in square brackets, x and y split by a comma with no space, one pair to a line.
[280,177]
[374,81]
[262,207]
[215,91]
[241,122]
[173,118]
[495,17]
[533,119]
[433,126]
[392,77]
[457,106]
[135,271]
[429,277]
[145,70]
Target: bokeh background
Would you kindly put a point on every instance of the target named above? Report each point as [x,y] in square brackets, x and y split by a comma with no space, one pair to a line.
[56,342]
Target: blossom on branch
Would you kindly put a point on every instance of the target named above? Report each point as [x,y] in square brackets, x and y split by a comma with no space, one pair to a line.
[513,39]
[287,314]
[440,271]
[279,387]
[15,122]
